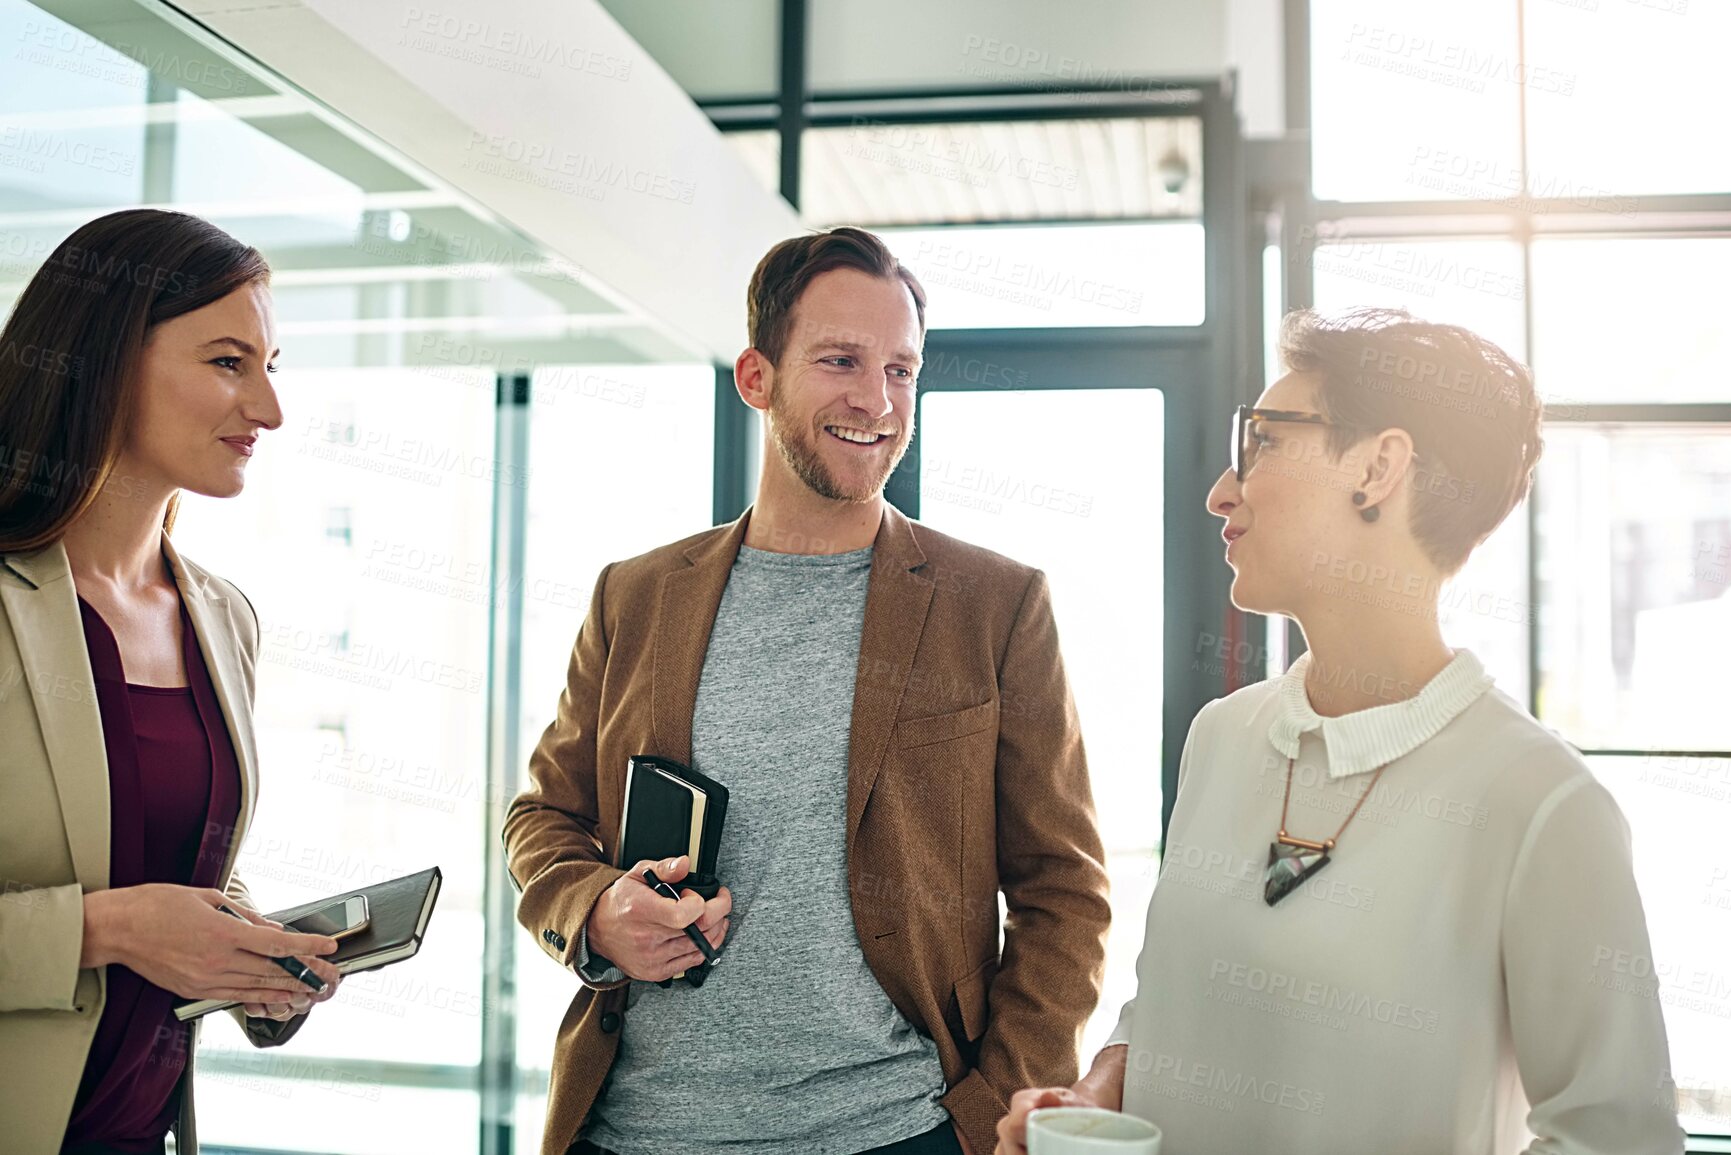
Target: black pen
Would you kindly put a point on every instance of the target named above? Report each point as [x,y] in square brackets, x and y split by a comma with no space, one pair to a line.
[293,966]
[691,931]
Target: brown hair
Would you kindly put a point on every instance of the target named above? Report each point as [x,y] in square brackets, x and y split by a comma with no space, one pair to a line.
[790,266]
[70,353]
[1469,407]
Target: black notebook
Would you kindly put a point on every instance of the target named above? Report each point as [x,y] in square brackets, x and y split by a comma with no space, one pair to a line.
[671,810]
[398,912]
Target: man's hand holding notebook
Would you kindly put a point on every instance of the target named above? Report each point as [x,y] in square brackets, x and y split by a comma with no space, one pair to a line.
[643,934]
[672,827]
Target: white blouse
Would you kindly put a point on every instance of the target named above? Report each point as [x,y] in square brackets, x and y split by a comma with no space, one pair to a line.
[1463,976]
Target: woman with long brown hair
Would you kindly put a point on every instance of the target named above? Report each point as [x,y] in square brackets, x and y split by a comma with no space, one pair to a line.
[134,366]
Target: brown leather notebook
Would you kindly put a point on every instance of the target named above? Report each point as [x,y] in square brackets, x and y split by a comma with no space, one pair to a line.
[398,912]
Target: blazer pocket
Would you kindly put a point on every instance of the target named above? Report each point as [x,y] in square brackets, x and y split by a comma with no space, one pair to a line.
[943,727]
[970,993]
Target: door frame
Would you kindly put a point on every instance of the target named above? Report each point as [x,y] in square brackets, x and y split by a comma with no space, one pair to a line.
[1180,363]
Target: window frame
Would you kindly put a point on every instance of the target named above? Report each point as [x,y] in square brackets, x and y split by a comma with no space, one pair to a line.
[1304,223]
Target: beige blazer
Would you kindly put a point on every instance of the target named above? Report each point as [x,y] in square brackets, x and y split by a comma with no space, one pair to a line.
[54,828]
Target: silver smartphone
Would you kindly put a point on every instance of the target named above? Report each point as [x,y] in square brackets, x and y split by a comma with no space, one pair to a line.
[338,920]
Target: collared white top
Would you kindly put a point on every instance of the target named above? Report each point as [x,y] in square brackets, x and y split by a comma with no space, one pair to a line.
[1464,975]
[1366,739]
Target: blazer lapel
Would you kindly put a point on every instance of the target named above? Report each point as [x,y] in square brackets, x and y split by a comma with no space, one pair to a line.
[895,616]
[56,665]
[684,618]
[897,600]
[213,625]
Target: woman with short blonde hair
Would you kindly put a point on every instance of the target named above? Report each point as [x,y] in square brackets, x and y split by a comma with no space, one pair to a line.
[1391,904]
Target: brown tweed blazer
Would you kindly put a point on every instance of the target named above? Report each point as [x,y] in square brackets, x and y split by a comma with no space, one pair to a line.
[966,777]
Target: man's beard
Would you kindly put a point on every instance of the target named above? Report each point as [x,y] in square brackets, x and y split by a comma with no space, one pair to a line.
[808,465]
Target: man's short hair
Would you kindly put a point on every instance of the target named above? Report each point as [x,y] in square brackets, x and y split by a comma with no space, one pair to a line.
[790,266]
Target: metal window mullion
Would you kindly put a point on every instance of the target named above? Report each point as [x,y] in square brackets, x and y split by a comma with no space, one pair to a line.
[731,469]
[793,95]
[498,1069]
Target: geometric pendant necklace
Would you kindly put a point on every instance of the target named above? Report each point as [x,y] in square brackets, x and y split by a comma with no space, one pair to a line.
[1292,860]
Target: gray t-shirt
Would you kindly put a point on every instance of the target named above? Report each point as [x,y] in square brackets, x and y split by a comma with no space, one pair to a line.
[791,1047]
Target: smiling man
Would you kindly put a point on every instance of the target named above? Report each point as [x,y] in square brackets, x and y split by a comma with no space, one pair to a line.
[889,711]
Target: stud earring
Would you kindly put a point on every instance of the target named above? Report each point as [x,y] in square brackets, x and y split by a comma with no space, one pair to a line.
[1371,514]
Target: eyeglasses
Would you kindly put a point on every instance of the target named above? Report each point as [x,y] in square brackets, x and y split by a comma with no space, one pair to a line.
[1246,442]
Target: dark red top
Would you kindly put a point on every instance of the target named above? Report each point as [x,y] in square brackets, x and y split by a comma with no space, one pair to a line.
[174,793]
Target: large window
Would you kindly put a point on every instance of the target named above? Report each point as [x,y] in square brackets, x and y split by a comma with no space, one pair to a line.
[1076,276]
[1100,481]
[1634,595]
[892,173]
[369,537]
[645,432]
[1526,195]
[1660,337]
[1021,222]
[363,540]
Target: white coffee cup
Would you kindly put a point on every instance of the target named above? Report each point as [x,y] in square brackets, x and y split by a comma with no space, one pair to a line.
[1090,1131]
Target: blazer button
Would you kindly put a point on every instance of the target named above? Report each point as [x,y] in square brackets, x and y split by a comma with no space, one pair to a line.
[610,1022]
[547,935]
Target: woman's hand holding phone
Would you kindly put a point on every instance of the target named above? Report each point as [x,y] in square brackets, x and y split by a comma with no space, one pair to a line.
[301,998]
[175,937]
